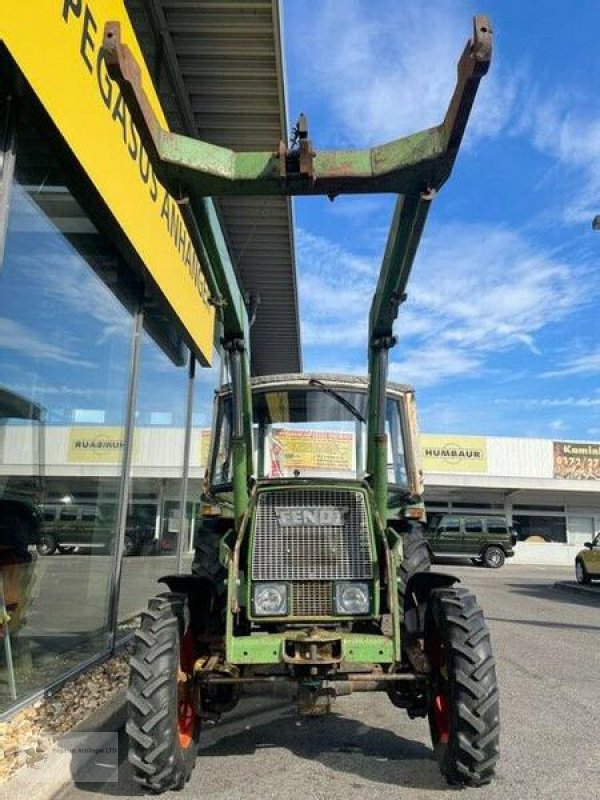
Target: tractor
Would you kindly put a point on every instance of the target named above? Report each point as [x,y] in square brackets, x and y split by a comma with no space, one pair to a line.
[304,577]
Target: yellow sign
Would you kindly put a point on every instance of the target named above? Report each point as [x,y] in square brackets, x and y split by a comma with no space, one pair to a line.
[56,44]
[90,445]
[454,453]
[311,450]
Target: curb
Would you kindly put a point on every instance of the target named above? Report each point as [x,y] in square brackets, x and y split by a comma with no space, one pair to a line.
[577,588]
[57,768]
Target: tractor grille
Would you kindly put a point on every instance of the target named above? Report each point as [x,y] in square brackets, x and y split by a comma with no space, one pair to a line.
[312,599]
[311,535]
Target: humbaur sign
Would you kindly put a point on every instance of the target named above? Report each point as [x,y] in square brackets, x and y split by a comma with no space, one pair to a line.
[454,453]
[318,515]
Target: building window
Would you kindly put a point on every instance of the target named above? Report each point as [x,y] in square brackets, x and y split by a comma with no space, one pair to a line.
[549,529]
[64,356]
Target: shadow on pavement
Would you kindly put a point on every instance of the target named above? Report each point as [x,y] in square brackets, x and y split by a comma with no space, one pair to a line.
[343,745]
[540,624]
[544,591]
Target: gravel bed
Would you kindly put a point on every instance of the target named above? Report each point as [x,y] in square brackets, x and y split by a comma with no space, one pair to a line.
[30,733]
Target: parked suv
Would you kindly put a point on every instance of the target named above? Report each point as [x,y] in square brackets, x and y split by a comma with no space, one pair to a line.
[587,561]
[67,527]
[487,541]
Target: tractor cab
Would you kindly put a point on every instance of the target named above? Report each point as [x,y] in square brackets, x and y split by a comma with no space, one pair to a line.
[314,427]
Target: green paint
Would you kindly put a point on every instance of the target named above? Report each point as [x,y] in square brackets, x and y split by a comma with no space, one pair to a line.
[265,648]
[240,479]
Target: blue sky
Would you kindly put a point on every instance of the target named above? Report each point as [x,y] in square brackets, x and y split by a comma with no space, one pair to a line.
[500,334]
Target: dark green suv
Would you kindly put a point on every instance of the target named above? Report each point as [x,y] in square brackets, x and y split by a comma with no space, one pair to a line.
[487,541]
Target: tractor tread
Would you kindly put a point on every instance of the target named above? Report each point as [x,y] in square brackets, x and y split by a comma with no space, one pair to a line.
[159,761]
[470,755]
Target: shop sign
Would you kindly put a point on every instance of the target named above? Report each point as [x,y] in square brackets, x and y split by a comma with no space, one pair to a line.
[88,445]
[454,453]
[322,450]
[57,46]
[578,461]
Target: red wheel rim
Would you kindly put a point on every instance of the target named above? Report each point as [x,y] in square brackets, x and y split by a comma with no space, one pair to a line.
[186,713]
[186,722]
[441,703]
[441,715]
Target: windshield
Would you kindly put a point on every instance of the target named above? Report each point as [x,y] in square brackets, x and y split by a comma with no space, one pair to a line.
[310,432]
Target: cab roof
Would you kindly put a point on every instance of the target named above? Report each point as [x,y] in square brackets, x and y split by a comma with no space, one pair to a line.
[300,380]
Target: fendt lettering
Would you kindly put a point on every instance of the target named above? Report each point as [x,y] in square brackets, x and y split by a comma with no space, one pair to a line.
[290,517]
[275,595]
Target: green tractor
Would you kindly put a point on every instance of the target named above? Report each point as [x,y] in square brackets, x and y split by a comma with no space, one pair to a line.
[304,576]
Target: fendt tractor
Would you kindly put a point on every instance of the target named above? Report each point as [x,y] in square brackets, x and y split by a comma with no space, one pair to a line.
[303,578]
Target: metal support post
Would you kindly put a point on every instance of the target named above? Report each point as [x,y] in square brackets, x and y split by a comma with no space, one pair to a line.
[235,349]
[125,480]
[182,540]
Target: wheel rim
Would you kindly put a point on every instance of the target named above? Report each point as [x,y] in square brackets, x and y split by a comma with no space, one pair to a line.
[186,713]
[494,557]
[441,702]
[579,572]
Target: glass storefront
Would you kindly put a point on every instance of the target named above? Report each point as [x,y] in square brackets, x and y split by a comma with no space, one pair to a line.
[69,307]
[154,502]
[64,359]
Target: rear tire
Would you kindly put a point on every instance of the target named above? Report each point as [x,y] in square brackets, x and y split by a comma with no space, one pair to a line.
[581,573]
[463,703]
[493,557]
[163,726]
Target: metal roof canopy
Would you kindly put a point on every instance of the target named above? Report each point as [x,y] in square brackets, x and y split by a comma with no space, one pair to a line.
[218,67]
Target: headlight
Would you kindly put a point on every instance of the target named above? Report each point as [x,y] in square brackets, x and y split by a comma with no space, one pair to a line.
[270,599]
[352,598]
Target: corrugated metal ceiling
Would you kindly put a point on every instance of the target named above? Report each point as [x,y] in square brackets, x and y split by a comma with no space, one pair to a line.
[219,69]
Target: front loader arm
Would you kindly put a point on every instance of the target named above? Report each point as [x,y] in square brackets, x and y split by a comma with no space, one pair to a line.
[408,165]
[413,167]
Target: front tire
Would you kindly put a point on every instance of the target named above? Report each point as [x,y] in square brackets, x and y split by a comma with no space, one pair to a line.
[463,699]
[163,726]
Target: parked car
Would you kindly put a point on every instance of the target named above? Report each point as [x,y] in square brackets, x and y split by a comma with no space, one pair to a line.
[587,561]
[487,541]
[67,527]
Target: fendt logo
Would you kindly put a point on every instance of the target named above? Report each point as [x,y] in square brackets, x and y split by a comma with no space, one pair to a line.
[317,515]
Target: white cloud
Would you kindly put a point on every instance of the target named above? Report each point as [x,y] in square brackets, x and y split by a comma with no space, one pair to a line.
[585,401]
[477,290]
[565,126]
[557,425]
[17,337]
[393,73]
[588,364]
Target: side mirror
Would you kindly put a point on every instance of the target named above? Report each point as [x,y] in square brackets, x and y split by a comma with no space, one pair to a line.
[589,545]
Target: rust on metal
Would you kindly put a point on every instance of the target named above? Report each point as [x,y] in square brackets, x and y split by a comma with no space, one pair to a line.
[125,71]
[299,158]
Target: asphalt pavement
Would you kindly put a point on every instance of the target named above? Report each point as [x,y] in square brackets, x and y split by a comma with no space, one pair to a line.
[547,645]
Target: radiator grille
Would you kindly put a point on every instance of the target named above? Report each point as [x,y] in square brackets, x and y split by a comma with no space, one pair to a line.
[312,552]
[312,599]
